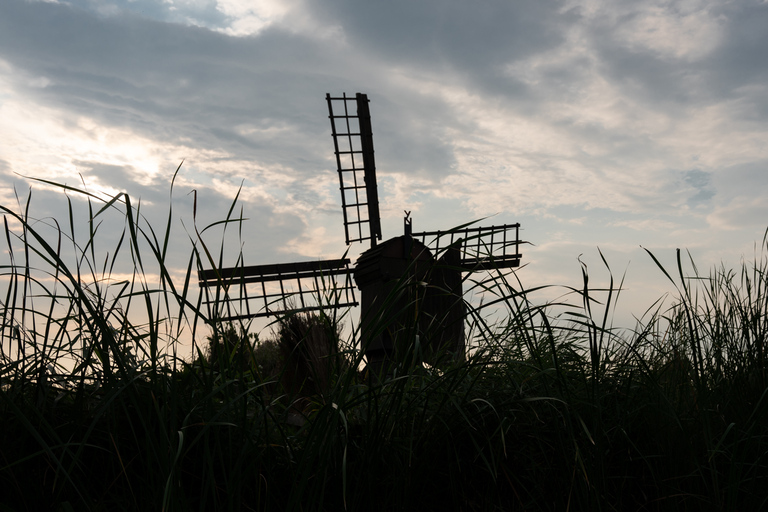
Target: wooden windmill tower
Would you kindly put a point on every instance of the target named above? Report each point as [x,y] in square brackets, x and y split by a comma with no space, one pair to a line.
[410,286]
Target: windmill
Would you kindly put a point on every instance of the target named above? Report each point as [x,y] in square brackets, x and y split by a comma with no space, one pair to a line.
[410,285]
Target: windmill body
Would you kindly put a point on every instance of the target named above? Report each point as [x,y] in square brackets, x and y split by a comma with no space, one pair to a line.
[410,286]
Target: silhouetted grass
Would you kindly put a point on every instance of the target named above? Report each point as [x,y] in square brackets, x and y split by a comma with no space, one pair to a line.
[100,411]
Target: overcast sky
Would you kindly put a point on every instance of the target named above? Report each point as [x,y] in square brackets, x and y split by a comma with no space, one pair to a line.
[593,123]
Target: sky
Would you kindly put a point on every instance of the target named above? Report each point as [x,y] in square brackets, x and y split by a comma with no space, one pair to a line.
[601,126]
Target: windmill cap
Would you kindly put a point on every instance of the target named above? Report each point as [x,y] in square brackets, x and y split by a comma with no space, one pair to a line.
[392,259]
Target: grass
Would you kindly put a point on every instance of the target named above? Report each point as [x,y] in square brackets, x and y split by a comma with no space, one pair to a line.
[100,410]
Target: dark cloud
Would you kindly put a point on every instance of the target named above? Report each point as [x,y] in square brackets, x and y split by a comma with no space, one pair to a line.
[160,79]
[462,35]
[202,13]
[701,182]
[678,82]
[124,178]
[743,180]
[742,58]
[260,97]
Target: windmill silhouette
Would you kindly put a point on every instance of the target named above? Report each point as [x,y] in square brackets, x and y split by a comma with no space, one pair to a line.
[410,285]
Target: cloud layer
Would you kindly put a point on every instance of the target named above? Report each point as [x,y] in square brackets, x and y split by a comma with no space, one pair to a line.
[592,122]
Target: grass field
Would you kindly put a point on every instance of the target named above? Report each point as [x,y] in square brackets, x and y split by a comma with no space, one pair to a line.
[99,410]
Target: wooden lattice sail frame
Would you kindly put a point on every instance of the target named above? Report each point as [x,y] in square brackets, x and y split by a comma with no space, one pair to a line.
[356,167]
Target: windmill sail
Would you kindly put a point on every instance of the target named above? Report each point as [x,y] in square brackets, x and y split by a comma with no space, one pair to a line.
[243,292]
[353,145]
[481,248]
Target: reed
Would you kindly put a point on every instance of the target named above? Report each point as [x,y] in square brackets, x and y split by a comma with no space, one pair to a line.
[101,409]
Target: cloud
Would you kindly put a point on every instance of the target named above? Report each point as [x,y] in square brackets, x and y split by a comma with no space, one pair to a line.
[587,119]
[739,213]
[687,30]
[701,183]
[252,17]
[741,192]
[589,122]
[436,34]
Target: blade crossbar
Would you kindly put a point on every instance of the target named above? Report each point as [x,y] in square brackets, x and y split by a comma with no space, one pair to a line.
[482,248]
[353,147]
[266,290]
